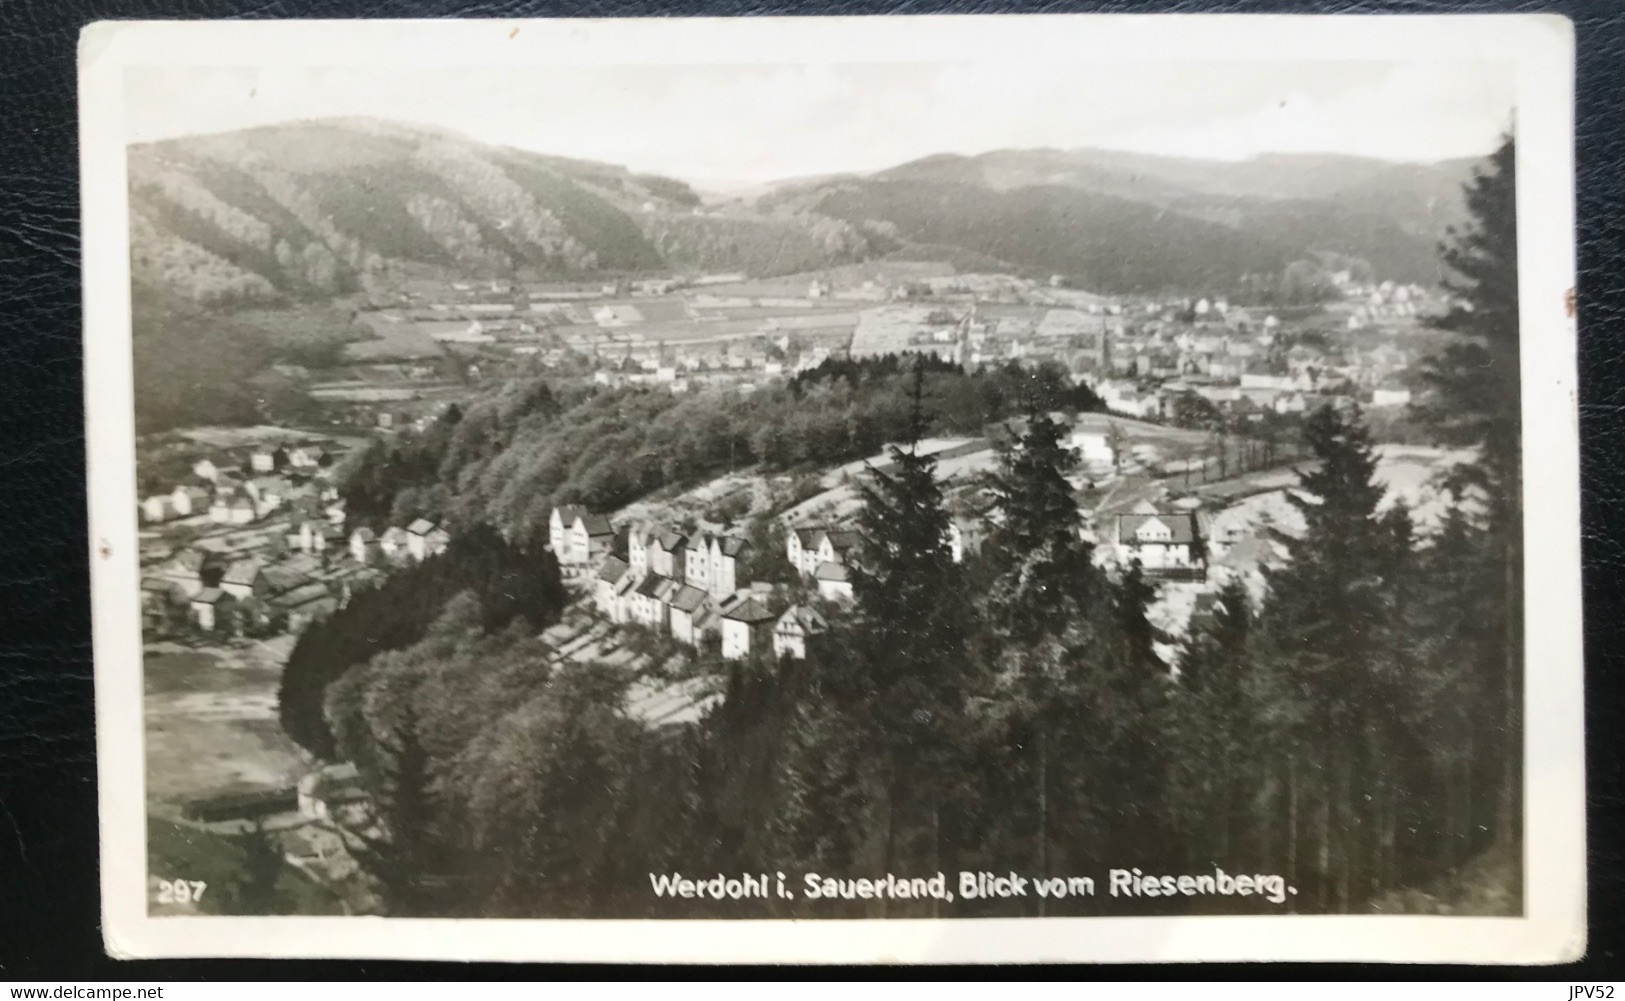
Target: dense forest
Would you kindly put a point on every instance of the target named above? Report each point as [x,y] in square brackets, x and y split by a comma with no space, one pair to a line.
[1353,726]
[512,454]
[507,584]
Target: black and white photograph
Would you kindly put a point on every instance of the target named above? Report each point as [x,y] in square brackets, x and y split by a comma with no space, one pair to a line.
[838,481]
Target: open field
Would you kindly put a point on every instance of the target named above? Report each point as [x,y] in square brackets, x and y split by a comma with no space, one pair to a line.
[211,722]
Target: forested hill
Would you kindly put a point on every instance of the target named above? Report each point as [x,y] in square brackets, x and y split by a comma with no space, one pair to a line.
[307,210]
[1123,222]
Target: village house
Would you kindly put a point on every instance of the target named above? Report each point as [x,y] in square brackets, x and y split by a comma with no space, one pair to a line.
[793,628]
[213,467]
[308,536]
[637,551]
[1158,540]
[303,603]
[230,509]
[834,582]
[364,546]
[192,570]
[604,593]
[310,456]
[187,500]
[711,563]
[697,561]
[686,605]
[425,539]
[747,627]
[649,600]
[577,536]
[157,507]
[212,609]
[964,536]
[559,524]
[244,579]
[666,554]
[1093,447]
[268,492]
[393,543]
[809,548]
[591,536]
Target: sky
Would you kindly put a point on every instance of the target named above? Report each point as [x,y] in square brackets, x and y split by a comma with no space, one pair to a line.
[733,125]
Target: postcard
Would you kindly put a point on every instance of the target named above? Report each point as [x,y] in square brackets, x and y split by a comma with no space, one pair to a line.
[948,489]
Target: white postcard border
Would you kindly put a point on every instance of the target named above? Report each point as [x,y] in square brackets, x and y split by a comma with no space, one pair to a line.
[1540,47]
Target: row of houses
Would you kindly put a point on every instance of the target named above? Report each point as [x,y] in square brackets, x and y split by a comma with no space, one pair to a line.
[417,542]
[742,620]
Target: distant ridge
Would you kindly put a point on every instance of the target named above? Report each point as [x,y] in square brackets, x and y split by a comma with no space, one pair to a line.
[304,211]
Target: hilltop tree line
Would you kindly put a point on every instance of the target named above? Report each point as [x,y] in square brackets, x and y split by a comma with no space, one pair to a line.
[513,454]
[1353,724]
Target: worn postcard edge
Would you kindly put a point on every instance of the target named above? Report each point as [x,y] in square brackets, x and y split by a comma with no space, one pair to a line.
[1540,48]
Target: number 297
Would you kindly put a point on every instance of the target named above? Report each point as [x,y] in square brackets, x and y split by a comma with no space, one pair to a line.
[180,891]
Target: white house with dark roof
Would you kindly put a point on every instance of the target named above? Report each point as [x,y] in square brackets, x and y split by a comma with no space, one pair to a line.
[604,591]
[1158,540]
[747,626]
[685,606]
[722,564]
[649,600]
[667,553]
[210,607]
[188,500]
[793,628]
[559,524]
[157,507]
[834,582]
[393,542]
[810,548]
[577,536]
[697,561]
[425,539]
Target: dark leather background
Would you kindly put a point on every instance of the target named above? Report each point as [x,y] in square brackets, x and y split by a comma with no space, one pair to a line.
[49,906]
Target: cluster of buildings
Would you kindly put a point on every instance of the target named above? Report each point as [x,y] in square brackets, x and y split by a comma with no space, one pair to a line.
[253,541]
[396,545]
[688,586]
[1243,366]
[244,485]
[215,592]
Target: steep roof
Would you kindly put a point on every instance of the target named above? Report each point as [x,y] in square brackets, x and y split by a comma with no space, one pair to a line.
[842,540]
[422,526]
[242,572]
[301,595]
[1180,526]
[190,560]
[748,611]
[655,585]
[568,513]
[613,570]
[800,617]
[832,572]
[596,524]
[731,545]
[685,598]
[671,540]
